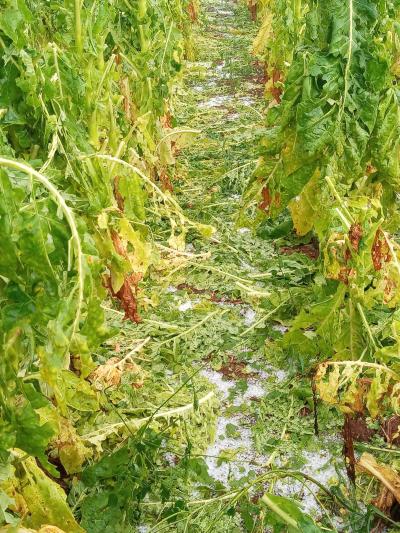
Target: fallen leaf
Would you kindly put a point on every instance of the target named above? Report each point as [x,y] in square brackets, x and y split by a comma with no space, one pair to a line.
[110,374]
[386,475]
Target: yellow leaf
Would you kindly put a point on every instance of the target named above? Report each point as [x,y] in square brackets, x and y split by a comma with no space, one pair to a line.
[328,389]
[143,254]
[388,477]
[303,208]
[102,220]
[379,387]
[45,499]
[177,242]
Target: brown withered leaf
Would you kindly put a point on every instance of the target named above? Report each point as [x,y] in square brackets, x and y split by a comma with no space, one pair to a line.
[390,429]
[252,5]
[167,120]
[110,374]
[165,180]
[310,250]
[390,289]
[275,90]
[69,447]
[127,293]
[355,236]
[380,251]
[385,500]
[383,473]
[117,195]
[268,200]
[344,274]
[193,15]
[129,107]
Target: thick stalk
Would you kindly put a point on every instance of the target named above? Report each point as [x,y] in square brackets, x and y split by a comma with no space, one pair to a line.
[349,58]
[296,6]
[335,193]
[363,364]
[78,27]
[366,326]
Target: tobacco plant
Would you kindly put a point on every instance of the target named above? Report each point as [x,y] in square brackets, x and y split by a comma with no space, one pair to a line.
[282,28]
[331,157]
[85,120]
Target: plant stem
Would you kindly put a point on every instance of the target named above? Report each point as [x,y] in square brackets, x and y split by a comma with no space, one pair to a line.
[280,512]
[362,364]
[339,199]
[349,58]
[366,325]
[78,27]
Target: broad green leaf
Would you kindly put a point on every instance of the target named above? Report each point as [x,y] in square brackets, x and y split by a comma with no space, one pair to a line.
[76,392]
